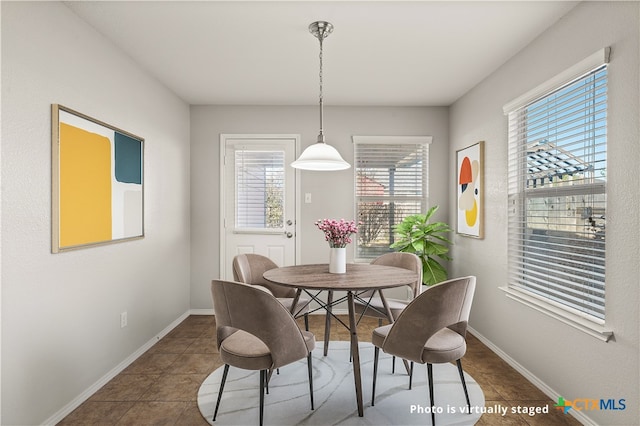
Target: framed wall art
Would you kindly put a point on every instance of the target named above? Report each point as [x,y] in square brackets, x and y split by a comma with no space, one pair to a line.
[97,182]
[470,193]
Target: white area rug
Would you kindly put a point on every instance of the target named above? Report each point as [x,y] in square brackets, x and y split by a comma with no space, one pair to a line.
[288,400]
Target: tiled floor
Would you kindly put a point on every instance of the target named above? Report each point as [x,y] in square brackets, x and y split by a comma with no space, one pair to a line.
[161,387]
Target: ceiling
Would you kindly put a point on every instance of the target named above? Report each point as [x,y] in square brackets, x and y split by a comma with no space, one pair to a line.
[385,53]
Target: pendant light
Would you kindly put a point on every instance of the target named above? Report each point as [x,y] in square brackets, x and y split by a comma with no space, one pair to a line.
[320,156]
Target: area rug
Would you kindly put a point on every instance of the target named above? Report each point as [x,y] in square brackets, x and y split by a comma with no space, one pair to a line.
[288,400]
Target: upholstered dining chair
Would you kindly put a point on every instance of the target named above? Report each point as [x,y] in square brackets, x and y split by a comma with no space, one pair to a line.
[373,306]
[430,330]
[248,268]
[256,332]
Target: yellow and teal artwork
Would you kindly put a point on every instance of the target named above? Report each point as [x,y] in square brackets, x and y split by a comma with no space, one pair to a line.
[469,184]
[97,182]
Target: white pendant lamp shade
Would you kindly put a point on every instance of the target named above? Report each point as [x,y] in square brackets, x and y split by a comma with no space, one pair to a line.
[320,156]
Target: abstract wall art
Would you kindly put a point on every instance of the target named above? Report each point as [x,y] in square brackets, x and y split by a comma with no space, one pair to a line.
[469,187]
[97,182]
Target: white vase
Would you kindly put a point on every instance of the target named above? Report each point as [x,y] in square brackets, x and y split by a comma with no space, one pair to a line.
[338,260]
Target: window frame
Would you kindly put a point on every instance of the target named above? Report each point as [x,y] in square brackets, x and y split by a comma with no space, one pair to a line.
[389,140]
[573,317]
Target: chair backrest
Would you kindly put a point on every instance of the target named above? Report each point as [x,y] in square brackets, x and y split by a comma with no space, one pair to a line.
[447,304]
[240,306]
[403,260]
[248,268]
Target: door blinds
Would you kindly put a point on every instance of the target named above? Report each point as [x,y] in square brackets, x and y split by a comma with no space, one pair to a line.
[259,177]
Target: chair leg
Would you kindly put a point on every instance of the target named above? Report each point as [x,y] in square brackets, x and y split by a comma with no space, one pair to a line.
[376,352]
[263,379]
[393,358]
[310,368]
[411,375]
[430,375]
[267,379]
[464,384]
[224,379]
[306,322]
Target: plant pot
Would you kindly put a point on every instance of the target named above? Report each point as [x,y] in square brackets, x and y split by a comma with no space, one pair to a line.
[338,260]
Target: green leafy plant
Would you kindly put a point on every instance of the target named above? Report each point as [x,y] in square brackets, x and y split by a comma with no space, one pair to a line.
[428,241]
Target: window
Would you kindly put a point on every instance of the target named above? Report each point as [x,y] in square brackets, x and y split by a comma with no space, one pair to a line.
[390,184]
[557,196]
[259,189]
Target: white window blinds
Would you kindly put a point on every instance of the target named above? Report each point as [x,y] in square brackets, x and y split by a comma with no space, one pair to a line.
[557,195]
[390,184]
[259,189]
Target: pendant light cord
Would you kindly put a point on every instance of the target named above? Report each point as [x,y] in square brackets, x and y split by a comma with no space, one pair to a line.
[320,156]
[321,135]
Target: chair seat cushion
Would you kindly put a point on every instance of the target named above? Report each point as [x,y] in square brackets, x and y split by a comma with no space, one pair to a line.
[444,346]
[244,350]
[395,305]
[301,308]
[309,340]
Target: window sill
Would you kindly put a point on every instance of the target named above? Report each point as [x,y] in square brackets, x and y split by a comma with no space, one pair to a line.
[579,322]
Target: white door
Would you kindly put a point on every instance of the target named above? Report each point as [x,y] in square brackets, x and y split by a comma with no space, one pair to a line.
[258,193]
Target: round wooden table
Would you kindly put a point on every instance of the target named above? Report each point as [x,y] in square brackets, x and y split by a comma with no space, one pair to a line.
[359,277]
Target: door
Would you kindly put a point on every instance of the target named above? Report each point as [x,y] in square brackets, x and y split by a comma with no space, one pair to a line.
[259,204]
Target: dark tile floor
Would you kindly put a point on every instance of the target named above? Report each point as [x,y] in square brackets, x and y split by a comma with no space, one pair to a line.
[161,387]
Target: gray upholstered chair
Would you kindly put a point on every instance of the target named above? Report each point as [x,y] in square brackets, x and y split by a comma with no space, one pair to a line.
[373,306]
[256,332]
[370,305]
[430,330]
[248,268]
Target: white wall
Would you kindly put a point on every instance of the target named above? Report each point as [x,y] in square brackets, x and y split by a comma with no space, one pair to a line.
[60,313]
[332,193]
[569,362]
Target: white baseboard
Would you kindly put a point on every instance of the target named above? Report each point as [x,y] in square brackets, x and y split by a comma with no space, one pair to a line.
[578,415]
[201,312]
[77,401]
[334,311]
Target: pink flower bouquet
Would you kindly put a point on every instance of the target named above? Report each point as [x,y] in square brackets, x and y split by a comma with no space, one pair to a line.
[337,233]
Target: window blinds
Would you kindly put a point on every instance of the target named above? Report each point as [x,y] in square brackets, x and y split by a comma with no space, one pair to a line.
[557,195]
[390,184]
[259,189]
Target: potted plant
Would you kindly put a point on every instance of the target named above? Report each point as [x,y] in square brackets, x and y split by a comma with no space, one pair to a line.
[415,234]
